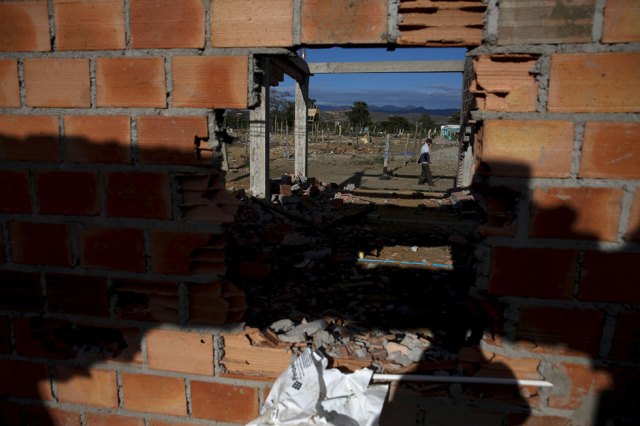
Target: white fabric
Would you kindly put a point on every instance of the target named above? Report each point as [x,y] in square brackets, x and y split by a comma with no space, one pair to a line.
[308,393]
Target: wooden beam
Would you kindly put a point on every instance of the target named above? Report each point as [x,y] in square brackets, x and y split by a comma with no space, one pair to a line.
[390,67]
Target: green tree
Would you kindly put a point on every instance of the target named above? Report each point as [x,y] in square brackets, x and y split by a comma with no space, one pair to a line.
[282,108]
[454,118]
[426,122]
[359,116]
[395,124]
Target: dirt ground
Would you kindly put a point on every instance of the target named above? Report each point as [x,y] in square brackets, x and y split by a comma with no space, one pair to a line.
[361,165]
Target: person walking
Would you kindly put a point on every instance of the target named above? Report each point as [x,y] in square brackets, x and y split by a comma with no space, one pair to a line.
[425,163]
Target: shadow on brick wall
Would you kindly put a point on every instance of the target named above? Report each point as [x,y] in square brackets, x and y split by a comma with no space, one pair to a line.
[74,294]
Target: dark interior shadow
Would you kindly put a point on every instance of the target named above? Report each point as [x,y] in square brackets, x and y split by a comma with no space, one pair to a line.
[41,335]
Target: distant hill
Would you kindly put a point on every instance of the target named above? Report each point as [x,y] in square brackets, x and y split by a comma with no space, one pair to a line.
[381,113]
[392,109]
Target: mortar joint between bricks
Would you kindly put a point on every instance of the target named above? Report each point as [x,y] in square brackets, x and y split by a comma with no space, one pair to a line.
[168,76]
[93,88]
[22,89]
[598,21]
[187,391]
[127,25]
[297,22]
[52,382]
[52,26]
[207,25]
[183,303]
[626,206]
[43,289]
[576,157]
[134,140]
[120,389]
[74,233]
[147,250]
[608,329]
[576,278]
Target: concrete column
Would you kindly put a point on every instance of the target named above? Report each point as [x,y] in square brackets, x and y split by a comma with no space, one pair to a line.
[259,138]
[301,128]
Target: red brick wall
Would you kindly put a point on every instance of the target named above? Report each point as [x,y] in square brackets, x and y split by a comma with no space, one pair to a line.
[553,85]
[100,103]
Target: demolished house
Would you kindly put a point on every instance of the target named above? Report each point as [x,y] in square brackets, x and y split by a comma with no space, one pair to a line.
[136,287]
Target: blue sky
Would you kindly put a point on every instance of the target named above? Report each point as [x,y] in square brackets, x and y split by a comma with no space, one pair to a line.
[429,90]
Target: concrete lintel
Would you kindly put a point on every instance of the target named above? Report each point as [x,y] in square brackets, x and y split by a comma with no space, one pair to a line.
[259,137]
[301,129]
[393,67]
[294,66]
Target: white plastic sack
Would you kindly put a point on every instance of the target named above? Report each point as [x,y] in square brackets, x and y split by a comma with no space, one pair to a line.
[308,393]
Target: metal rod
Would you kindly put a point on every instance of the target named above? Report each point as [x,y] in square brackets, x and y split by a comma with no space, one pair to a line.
[459,379]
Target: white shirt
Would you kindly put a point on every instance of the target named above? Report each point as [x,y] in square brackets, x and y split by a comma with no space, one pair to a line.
[425,148]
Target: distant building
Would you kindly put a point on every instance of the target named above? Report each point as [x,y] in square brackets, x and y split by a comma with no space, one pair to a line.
[450,131]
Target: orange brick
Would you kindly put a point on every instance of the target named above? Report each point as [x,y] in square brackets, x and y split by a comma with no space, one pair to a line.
[164,24]
[15,192]
[169,140]
[23,379]
[94,419]
[517,272]
[67,192]
[266,23]
[338,21]
[97,138]
[171,251]
[89,25]
[226,403]
[578,213]
[528,148]
[57,83]
[594,82]
[633,232]
[552,21]
[87,386]
[583,384]
[206,304]
[20,291]
[210,82]
[29,138]
[112,248]
[240,357]
[131,82]
[140,300]
[134,194]
[180,351]
[77,294]
[626,339]
[560,331]
[610,150]
[40,243]
[506,82]
[154,422]
[621,19]
[9,413]
[610,277]
[440,36]
[9,84]
[24,26]
[50,416]
[154,394]
[516,419]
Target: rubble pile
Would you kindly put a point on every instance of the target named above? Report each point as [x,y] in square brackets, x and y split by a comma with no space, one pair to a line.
[298,259]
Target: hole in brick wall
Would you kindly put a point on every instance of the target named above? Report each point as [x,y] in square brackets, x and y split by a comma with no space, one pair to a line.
[371,270]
